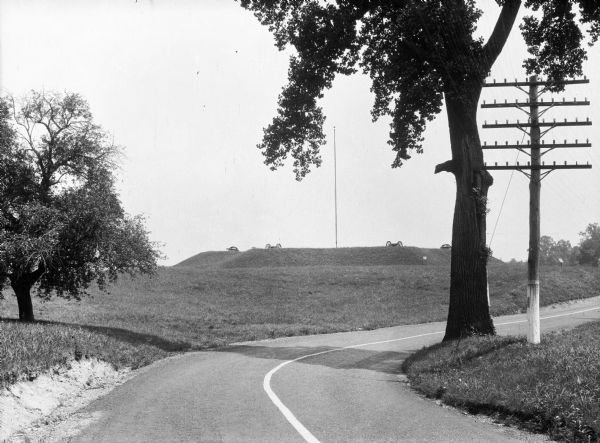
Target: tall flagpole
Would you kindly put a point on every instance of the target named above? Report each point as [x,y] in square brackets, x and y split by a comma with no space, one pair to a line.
[335,187]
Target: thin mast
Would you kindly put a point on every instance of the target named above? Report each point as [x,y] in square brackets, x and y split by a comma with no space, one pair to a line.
[335,187]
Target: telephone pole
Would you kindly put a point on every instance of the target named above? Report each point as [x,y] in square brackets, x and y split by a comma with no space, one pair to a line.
[535,166]
[535,185]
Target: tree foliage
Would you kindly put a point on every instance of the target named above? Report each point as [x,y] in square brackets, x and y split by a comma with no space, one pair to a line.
[414,53]
[61,221]
[555,36]
[557,252]
[589,246]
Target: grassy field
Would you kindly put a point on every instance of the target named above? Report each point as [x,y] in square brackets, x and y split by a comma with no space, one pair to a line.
[553,387]
[222,297]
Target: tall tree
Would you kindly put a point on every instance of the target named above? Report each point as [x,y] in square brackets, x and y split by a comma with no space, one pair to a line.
[61,221]
[420,56]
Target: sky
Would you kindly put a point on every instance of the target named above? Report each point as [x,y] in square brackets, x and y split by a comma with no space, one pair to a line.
[186,87]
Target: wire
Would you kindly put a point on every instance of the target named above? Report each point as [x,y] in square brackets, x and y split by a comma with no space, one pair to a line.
[505,194]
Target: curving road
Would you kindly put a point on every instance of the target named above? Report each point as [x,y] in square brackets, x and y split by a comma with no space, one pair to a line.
[340,387]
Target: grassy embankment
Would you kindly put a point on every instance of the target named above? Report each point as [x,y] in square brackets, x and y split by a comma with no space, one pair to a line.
[222,297]
[553,387]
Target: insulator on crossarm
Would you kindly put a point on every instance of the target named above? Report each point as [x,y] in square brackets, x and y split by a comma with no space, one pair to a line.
[565,162]
[505,101]
[553,142]
[517,142]
[576,141]
[554,163]
[563,99]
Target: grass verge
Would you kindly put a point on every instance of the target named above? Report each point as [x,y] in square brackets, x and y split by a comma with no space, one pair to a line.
[28,349]
[553,387]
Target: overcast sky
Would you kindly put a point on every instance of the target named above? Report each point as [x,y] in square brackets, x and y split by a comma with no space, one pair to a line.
[186,88]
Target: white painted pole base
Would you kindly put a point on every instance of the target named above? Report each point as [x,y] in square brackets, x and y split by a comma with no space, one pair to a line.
[533,311]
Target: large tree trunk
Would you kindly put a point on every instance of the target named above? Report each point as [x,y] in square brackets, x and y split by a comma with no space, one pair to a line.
[23,292]
[469,307]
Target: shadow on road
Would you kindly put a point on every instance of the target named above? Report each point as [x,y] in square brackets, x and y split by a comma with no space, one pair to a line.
[388,362]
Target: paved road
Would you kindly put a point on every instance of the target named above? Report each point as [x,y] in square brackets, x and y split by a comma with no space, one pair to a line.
[270,391]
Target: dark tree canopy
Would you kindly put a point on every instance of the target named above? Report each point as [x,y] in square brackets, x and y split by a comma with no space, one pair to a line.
[62,225]
[554,35]
[589,246]
[415,52]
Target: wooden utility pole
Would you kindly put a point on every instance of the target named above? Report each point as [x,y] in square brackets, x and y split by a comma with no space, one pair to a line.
[533,260]
[535,166]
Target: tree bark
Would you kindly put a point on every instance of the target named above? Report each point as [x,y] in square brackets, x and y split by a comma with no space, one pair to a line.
[469,312]
[23,292]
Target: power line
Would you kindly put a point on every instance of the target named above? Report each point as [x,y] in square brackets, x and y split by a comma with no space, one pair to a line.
[505,194]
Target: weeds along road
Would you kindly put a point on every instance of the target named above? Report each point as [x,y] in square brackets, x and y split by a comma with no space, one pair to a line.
[341,387]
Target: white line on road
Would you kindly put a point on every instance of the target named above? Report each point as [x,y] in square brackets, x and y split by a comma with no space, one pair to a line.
[301,429]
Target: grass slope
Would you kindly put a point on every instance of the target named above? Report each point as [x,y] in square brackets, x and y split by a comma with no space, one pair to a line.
[260,258]
[29,349]
[206,301]
[554,387]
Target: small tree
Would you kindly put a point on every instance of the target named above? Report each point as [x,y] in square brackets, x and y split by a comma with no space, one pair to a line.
[552,252]
[589,246]
[546,245]
[62,225]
